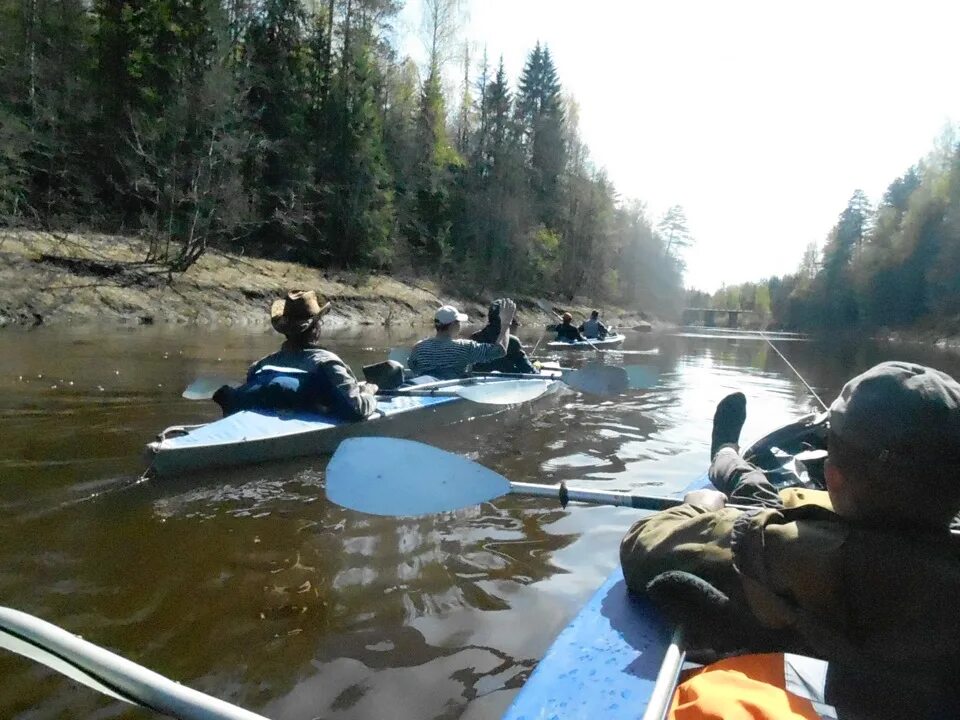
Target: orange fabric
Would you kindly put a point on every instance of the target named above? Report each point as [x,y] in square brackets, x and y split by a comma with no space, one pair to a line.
[748,687]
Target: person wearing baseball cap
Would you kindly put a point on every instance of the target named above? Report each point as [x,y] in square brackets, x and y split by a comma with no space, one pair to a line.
[446,356]
[302,375]
[864,575]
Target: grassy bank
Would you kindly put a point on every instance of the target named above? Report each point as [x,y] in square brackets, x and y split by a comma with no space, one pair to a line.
[70,278]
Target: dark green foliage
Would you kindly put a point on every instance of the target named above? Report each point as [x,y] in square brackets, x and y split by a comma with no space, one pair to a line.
[358,217]
[540,121]
[293,130]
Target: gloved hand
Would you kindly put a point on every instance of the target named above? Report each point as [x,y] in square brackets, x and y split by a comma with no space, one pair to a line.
[709,619]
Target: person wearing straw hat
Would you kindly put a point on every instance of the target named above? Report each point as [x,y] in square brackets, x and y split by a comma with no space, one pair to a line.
[302,375]
[446,356]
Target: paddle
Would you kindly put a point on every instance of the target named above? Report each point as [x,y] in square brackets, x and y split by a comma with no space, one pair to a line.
[204,387]
[507,392]
[597,378]
[661,697]
[389,476]
[107,673]
[400,355]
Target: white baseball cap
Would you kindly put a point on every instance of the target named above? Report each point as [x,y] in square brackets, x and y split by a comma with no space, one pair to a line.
[448,314]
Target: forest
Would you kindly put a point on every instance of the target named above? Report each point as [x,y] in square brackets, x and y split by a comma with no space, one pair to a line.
[297,130]
[893,265]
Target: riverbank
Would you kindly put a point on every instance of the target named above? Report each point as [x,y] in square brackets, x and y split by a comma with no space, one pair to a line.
[48,278]
[944,335]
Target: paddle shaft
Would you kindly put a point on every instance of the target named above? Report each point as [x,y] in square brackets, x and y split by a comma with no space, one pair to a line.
[524,376]
[440,391]
[661,696]
[604,497]
[127,679]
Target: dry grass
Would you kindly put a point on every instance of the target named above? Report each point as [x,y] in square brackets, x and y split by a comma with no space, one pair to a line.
[89,277]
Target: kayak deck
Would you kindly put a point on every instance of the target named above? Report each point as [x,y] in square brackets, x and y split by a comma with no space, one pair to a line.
[602,665]
[252,436]
[608,342]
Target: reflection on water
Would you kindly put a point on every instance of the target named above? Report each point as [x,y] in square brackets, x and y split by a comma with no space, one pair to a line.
[249,585]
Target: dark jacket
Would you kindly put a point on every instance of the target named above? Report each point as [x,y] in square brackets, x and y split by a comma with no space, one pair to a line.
[883,607]
[515,361]
[566,332]
[326,384]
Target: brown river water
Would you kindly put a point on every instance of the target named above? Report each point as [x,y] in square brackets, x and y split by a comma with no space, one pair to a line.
[249,585]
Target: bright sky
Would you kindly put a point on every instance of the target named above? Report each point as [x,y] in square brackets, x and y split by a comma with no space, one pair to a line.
[759,117]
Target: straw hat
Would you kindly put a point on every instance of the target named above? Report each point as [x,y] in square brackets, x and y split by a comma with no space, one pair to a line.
[297,312]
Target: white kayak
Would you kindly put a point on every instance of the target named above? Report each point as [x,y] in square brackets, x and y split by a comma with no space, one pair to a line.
[252,436]
[610,341]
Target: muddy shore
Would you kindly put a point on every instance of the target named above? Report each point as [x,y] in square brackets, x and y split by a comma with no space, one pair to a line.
[71,278]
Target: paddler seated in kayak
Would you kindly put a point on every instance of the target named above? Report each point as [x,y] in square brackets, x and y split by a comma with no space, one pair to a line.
[515,361]
[302,375]
[593,329]
[565,330]
[446,356]
[864,576]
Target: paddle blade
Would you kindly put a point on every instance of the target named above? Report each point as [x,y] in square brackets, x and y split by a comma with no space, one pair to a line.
[400,478]
[203,388]
[508,392]
[598,379]
[400,355]
[642,377]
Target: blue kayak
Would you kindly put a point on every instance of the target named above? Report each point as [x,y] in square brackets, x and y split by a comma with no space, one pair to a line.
[252,436]
[605,663]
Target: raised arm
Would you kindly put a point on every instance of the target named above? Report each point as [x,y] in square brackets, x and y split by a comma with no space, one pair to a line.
[508,308]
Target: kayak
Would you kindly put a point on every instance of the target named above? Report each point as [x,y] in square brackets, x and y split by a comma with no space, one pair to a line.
[252,436]
[610,341]
[606,662]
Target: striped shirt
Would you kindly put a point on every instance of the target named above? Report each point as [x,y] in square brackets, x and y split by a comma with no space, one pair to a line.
[445,358]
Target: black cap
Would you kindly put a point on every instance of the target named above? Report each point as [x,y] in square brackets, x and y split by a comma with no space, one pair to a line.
[899,411]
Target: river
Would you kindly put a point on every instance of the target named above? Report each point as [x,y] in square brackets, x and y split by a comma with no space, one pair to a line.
[249,585]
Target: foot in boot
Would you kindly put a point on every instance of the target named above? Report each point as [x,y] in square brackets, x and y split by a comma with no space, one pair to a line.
[728,421]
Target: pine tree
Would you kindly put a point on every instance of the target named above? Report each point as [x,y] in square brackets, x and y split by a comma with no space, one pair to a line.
[673,228]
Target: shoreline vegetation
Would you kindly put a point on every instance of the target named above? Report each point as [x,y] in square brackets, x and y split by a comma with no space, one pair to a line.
[57,278]
[889,270]
[304,133]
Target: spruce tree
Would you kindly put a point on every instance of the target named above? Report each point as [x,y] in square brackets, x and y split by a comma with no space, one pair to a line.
[540,120]
[358,220]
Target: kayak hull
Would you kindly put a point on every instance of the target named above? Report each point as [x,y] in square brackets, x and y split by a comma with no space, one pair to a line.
[253,436]
[611,341]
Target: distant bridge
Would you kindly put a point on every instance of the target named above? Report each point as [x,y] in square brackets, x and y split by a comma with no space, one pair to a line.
[708,316]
